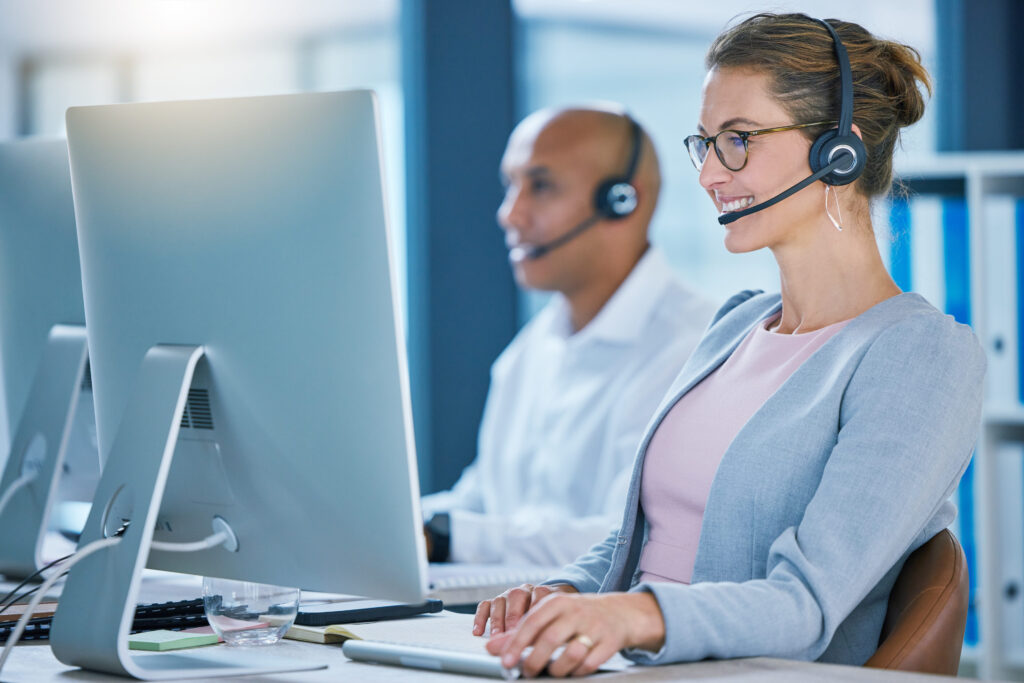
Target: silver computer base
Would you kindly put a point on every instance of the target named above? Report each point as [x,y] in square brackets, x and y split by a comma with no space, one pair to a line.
[38,449]
[96,608]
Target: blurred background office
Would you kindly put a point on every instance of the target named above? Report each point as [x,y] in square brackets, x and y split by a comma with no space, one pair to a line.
[453,77]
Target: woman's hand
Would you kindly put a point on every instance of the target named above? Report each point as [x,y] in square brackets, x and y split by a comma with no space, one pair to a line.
[592,627]
[507,609]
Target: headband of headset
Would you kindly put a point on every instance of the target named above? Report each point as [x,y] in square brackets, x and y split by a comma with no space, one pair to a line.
[833,145]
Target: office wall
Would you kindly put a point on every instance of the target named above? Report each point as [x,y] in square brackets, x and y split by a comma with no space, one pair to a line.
[980,97]
[458,82]
[9,95]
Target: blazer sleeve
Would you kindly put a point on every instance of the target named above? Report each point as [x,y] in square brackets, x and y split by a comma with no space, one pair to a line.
[908,423]
[587,573]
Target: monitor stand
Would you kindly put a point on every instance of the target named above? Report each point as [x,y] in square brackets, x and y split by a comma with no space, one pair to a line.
[95,611]
[39,446]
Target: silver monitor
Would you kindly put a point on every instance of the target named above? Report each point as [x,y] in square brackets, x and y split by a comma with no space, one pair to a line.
[42,351]
[248,361]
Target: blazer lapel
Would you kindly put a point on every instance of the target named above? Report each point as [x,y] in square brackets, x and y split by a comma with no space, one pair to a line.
[716,346]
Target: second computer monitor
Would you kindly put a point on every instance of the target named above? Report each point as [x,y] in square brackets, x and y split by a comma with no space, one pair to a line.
[41,286]
[52,431]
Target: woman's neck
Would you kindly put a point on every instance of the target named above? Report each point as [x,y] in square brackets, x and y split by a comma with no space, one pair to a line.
[830,278]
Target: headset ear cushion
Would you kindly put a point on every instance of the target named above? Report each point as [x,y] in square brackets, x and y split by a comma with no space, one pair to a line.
[615,198]
[828,146]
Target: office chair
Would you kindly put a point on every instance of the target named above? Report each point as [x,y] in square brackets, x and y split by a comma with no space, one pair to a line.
[924,623]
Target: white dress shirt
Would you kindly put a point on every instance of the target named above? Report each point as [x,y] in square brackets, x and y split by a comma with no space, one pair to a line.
[563,419]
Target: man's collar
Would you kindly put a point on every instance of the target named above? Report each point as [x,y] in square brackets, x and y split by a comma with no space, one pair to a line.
[624,316]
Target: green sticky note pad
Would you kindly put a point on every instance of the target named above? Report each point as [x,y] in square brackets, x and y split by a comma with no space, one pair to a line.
[169,640]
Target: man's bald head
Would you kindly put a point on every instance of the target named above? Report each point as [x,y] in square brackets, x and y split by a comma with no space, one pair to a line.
[553,164]
[599,138]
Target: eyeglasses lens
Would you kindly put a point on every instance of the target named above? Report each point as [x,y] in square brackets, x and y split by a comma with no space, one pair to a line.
[698,150]
[732,149]
[729,146]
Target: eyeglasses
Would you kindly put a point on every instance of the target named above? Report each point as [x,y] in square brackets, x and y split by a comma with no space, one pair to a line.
[732,151]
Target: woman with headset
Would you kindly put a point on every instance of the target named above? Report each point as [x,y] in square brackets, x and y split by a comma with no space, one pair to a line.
[814,438]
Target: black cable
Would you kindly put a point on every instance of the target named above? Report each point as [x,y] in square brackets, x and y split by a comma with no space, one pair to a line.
[17,599]
[4,604]
[33,575]
[22,624]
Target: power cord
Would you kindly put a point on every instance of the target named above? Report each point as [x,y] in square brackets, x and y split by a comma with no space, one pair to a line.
[80,555]
[69,561]
[22,481]
[12,599]
[211,541]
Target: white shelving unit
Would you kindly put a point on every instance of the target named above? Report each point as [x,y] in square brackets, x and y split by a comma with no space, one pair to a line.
[991,183]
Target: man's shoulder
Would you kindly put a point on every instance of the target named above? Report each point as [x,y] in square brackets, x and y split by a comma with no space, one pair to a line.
[680,310]
[684,302]
[656,286]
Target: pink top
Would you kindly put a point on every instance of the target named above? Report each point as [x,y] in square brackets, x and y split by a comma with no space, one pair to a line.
[688,444]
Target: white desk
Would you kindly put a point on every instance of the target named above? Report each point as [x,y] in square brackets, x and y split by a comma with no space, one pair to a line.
[35,663]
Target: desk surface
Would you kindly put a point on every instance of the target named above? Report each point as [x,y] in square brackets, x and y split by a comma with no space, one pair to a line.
[35,663]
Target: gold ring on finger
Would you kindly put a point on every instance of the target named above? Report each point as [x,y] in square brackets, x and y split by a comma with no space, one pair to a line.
[585,641]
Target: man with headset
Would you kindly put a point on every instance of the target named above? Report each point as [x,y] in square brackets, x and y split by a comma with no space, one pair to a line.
[573,392]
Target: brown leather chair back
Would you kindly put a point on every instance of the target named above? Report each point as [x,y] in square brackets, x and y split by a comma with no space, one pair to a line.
[927,613]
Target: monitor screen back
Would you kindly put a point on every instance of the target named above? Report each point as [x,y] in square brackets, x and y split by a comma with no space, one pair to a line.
[256,228]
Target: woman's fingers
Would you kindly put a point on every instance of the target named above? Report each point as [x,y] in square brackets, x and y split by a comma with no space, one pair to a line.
[598,655]
[520,600]
[588,629]
[557,633]
[497,643]
[572,657]
[504,611]
[498,614]
[530,628]
[483,612]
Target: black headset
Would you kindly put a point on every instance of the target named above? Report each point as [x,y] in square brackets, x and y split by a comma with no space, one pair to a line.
[841,140]
[837,156]
[614,199]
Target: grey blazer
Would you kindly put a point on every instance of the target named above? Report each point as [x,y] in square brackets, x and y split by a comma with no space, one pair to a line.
[841,474]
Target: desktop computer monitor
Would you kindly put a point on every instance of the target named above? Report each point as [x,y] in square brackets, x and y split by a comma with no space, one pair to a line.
[42,349]
[248,359]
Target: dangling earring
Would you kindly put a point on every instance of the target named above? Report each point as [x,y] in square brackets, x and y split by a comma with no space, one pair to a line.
[839,210]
